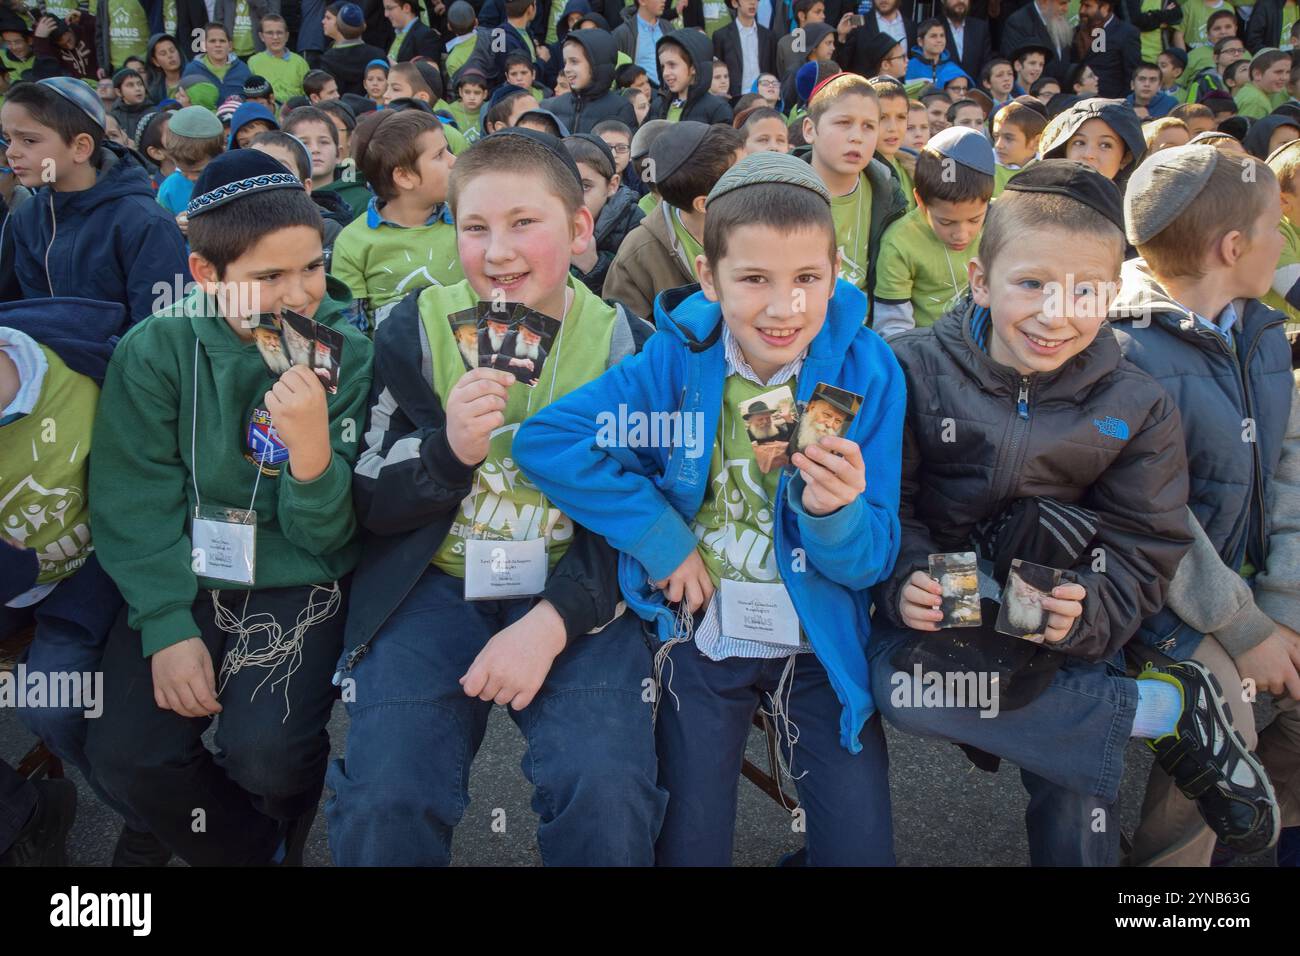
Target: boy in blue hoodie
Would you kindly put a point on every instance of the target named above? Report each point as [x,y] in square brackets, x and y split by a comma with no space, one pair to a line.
[765,569]
[93,229]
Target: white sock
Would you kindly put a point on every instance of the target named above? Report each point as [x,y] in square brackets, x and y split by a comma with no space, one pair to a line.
[1159,707]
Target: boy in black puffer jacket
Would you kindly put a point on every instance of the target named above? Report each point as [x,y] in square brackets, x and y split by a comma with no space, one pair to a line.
[1034,439]
[589,64]
[612,205]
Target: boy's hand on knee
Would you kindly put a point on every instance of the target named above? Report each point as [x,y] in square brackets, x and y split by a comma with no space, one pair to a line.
[183,679]
[475,408]
[1274,663]
[690,583]
[919,601]
[833,473]
[512,667]
[298,410]
[1063,608]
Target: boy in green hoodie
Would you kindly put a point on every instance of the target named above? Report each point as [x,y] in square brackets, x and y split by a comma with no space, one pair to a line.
[233,560]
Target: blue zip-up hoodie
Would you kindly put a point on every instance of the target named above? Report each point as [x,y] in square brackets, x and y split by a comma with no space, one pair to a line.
[111,242]
[937,73]
[83,334]
[643,500]
[231,85]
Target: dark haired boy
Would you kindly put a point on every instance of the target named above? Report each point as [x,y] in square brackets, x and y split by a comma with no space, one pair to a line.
[407,162]
[589,65]
[224,515]
[685,71]
[923,256]
[1205,224]
[1027,363]
[92,228]
[1147,99]
[346,59]
[330,173]
[816,536]
[217,64]
[443,500]
[661,253]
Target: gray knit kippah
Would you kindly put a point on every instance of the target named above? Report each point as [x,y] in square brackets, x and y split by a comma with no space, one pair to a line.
[769,168]
[1163,187]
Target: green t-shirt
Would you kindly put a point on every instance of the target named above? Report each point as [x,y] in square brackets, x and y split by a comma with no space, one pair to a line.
[241,39]
[553,21]
[914,266]
[674,113]
[43,492]
[528,42]
[852,214]
[904,182]
[467,121]
[285,73]
[458,55]
[647,203]
[503,504]
[690,245]
[59,8]
[1252,101]
[396,45]
[218,71]
[385,261]
[1152,43]
[734,525]
[1289,15]
[716,16]
[1196,17]
[1198,58]
[1289,258]
[1003,175]
[128,31]
[169,17]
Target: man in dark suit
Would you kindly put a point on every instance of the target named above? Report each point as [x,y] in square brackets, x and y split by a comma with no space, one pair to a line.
[1115,59]
[729,45]
[1042,23]
[969,43]
[893,17]
[418,40]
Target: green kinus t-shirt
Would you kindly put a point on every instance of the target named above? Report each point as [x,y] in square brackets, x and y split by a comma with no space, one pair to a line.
[128,31]
[169,17]
[1289,15]
[459,54]
[59,8]
[1289,257]
[690,245]
[735,523]
[43,493]
[349,183]
[905,181]
[283,73]
[503,504]
[1196,17]
[716,16]
[384,262]
[1252,101]
[852,214]
[241,39]
[914,266]
[149,458]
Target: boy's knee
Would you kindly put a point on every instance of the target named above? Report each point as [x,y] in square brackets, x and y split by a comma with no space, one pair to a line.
[59,728]
[278,767]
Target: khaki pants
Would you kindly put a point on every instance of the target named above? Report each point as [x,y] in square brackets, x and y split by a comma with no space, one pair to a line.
[1171,831]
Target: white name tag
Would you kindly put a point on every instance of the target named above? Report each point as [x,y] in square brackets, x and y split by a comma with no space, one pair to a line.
[224,542]
[759,612]
[496,570]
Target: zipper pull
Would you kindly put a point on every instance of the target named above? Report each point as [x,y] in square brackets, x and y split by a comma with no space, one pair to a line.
[1022,400]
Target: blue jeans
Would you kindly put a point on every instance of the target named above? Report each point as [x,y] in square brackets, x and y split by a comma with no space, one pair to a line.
[705,714]
[72,625]
[403,784]
[1069,743]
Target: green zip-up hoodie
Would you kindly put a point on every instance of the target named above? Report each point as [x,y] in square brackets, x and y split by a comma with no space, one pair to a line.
[142,493]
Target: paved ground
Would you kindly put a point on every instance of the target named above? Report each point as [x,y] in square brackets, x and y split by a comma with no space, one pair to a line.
[945,812]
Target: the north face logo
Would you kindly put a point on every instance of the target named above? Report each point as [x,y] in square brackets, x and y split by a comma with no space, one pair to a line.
[1112,427]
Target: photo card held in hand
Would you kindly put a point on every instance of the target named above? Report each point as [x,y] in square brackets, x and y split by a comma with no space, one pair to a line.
[495,322]
[958,576]
[327,358]
[1023,614]
[828,413]
[770,420]
[298,337]
[464,328]
[265,327]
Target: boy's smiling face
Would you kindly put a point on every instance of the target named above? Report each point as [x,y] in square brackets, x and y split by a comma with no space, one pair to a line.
[515,236]
[576,67]
[285,269]
[774,287]
[1047,295]
[1099,146]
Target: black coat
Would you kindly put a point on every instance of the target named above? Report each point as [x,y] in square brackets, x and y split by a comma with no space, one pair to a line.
[726,47]
[582,109]
[347,64]
[977,46]
[700,105]
[1025,28]
[1118,58]
[852,55]
[1097,433]
[1264,28]
[421,41]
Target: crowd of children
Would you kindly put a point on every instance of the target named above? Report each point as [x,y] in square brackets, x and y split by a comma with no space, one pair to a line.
[640,377]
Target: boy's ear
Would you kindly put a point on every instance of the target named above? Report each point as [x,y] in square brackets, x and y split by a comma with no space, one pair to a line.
[699,204]
[704,272]
[917,196]
[809,130]
[83,147]
[205,273]
[614,182]
[1033,143]
[979,282]
[583,227]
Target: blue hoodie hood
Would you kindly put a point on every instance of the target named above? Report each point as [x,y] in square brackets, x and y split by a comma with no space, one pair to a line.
[643,500]
[82,332]
[249,113]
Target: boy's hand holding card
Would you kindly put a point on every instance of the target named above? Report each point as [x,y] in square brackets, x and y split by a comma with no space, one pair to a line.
[475,408]
[1036,607]
[920,602]
[833,472]
[297,406]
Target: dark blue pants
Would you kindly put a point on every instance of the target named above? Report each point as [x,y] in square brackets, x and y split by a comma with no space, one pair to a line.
[705,715]
[17,801]
[404,782]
